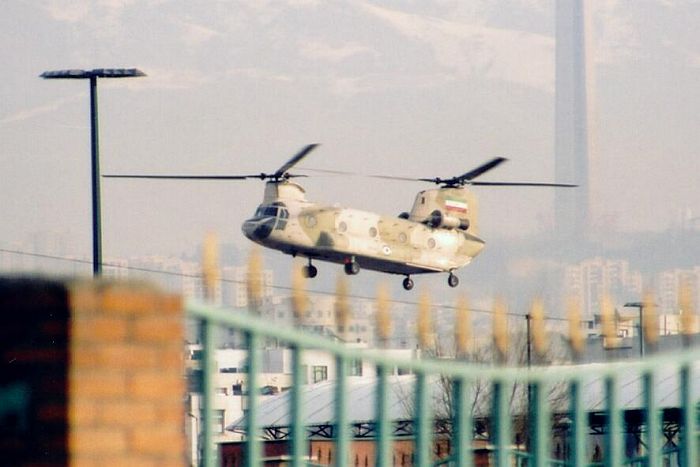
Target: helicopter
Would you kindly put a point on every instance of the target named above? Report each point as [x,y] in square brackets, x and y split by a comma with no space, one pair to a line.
[438,235]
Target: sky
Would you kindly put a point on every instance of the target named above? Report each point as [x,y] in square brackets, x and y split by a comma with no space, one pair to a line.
[411,88]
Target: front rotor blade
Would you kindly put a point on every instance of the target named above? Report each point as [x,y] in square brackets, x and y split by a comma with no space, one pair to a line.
[472,174]
[294,160]
[188,177]
[562,185]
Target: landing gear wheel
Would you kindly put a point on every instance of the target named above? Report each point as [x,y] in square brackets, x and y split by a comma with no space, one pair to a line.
[352,268]
[452,280]
[408,283]
[309,271]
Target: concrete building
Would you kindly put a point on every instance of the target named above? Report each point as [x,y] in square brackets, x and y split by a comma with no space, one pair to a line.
[669,285]
[590,280]
[231,385]
[235,289]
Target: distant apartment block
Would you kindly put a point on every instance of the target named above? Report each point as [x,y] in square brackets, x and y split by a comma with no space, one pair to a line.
[669,285]
[235,289]
[590,280]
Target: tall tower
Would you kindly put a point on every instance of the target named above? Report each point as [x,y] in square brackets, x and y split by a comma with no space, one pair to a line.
[573,95]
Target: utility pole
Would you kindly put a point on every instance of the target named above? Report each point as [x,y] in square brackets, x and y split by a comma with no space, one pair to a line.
[528,318]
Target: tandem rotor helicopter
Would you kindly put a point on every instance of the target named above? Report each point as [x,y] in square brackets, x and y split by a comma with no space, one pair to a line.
[438,235]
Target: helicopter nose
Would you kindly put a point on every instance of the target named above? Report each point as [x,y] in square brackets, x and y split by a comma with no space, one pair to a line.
[258,229]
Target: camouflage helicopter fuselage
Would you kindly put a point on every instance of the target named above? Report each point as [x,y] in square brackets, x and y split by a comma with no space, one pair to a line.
[438,235]
[432,238]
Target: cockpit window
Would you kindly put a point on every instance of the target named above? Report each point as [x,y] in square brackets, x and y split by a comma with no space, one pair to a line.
[276,210]
[267,211]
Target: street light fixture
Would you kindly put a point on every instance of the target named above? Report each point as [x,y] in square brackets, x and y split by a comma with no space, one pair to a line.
[92,75]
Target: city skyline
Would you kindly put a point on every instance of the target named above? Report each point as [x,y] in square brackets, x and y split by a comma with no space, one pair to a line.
[421,90]
[587,280]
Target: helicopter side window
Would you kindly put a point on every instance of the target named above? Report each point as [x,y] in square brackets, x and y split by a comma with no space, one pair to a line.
[282,216]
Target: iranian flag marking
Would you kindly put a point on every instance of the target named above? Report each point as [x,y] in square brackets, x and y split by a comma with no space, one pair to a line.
[456,205]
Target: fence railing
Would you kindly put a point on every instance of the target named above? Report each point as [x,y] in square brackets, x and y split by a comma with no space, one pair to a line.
[633,413]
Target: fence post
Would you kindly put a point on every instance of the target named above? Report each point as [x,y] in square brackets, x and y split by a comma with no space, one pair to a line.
[209,453]
[500,421]
[299,449]
[252,428]
[384,447]
[652,420]
[424,422]
[342,451]
[540,423]
[577,434]
[462,428]
[613,444]
[689,440]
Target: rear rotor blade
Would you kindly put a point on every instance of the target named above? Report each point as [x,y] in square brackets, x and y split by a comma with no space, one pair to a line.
[464,179]
[294,160]
[333,172]
[472,174]
[562,185]
[454,181]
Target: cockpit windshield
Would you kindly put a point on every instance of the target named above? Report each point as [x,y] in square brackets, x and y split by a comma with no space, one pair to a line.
[272,211]
[266,211]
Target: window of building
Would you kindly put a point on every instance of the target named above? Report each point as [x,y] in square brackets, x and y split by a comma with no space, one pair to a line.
[320,373]
[356,367]
[218,421]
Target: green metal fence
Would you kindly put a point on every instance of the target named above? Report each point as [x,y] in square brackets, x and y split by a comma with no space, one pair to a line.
[569,418]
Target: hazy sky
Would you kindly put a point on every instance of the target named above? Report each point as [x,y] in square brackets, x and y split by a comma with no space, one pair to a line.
[402,88]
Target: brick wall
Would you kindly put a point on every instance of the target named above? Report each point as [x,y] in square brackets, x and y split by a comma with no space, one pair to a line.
[126,376]
[33,379]
[96,370]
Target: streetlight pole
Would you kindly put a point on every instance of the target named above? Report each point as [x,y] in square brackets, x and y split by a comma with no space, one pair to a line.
[96,193]
[92,75]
